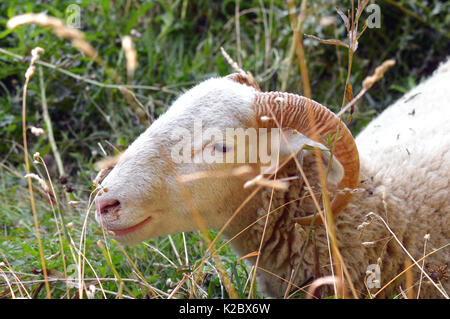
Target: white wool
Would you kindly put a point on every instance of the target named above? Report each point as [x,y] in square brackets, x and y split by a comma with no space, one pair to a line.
[405,178]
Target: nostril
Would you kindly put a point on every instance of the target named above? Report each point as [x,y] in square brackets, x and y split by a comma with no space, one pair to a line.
[108,206]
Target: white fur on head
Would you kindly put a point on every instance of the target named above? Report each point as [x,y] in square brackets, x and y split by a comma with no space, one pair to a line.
[144,181]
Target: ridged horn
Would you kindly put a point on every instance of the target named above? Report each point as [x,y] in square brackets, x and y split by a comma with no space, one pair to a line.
[317,123]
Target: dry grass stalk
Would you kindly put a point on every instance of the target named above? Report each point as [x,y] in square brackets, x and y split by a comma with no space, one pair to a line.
[58,28]
[212,243]
[297,27]
[378,74]
[8,283]
[135,104]
[141,276]
[206,237]
[352,27]
[152,248]
[327,219]
[130,55]
[351,22]
[368,83]
[107,163]
[99,177]
[328,280]
[239,171]
[57,217]
[426,238]
[237,68]
[409,282]
[249,255]
[267,40]
[371,214]
[41,182]
[17,281]
[48,123]
[107,257]
[91,81]
[264,229]
[231,62]
[36,131]
[260,180]
[78,39]
[238,31]
[286,281]
[36,52]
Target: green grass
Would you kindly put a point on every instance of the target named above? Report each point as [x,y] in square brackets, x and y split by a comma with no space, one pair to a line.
[178,44]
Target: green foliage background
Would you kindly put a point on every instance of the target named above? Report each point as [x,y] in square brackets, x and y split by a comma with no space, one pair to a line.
[178,45]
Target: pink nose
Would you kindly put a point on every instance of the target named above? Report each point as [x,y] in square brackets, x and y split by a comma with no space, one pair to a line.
[106,206]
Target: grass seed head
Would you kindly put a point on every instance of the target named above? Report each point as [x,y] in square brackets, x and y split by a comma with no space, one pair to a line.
[368,243]
[58,28]
[36,157]
[30,72]
[130,55]
[41,182]
[74,203]
[100,244]
[99,177]
[378,74]
[37,131]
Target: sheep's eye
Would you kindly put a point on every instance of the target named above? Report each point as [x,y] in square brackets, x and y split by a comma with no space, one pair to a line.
[221,147]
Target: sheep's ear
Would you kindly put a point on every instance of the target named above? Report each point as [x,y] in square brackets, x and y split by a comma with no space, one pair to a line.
[294,142]
[244,78]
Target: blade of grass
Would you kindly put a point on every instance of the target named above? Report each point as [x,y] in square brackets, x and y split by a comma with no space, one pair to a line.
[28,75]
[407,253]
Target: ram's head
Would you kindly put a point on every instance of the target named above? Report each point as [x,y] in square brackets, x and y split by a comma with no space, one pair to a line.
[216,127]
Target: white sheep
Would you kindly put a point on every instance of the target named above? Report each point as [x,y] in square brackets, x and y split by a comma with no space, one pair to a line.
[403,179]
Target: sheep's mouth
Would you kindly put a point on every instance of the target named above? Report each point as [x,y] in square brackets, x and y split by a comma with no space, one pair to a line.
[124,231]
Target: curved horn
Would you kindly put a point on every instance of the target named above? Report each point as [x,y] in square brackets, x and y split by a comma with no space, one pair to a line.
[314,121]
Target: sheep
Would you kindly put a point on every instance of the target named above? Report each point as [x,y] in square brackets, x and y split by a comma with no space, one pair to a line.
[393,179]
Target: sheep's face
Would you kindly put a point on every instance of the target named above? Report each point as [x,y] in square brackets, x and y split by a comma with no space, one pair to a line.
[142,196]
[211,128]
